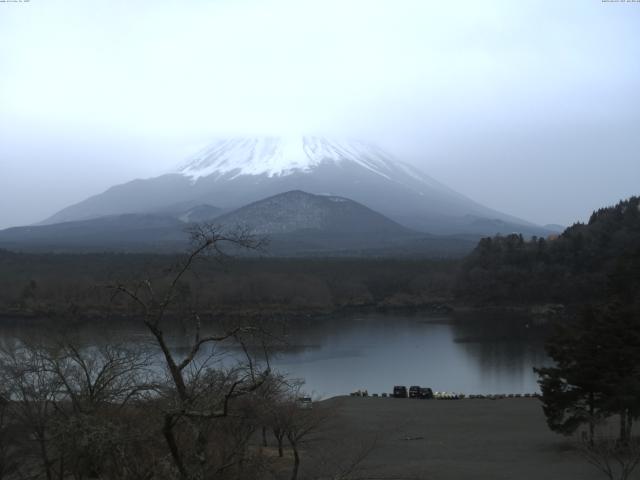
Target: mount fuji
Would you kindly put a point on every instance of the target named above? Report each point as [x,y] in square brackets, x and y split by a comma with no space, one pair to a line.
[234,172]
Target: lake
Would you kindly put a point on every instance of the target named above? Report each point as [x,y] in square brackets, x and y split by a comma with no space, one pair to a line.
[470,353]
[375,352]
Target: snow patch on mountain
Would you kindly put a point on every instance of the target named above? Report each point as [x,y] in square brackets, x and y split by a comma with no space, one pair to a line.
[279,156]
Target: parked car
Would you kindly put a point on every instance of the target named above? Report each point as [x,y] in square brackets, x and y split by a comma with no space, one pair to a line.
[400,391]
[426,393]
[414,391]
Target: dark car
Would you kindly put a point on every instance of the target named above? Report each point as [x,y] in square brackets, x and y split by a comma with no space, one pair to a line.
[414,391]
[426,393]
[400,391]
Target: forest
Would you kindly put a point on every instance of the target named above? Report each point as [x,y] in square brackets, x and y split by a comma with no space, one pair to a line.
[582,263]
[39,284]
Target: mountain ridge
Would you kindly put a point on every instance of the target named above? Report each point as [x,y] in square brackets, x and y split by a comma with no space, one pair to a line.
[296,210]
[296,223]
[235,172]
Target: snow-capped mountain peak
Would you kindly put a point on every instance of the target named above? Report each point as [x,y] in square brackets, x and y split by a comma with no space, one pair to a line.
[280,156]
[234,172]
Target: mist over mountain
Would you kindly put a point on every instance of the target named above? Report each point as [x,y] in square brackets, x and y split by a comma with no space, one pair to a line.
[554,227]
[233,172]
[127,232]
[199,213]
[294,223]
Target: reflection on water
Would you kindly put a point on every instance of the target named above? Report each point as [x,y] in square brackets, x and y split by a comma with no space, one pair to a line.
[469,354]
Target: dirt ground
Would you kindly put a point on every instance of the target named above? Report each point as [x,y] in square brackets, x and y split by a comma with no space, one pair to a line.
[447,439]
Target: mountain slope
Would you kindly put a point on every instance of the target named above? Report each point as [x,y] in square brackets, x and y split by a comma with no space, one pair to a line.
[297,211]
[131,232]
[199,214]
[234,172]
[299,223]
[295,223]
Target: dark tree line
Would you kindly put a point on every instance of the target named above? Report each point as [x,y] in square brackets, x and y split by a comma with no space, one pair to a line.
[596,377]
[43,284]
[596,373]
[576,266]
[597,354]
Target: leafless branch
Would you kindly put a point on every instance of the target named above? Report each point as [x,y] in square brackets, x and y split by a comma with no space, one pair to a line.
[614,460]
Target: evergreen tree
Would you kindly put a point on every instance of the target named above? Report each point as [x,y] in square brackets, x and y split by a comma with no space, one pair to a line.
[620,332]
[597,371]
[571,391]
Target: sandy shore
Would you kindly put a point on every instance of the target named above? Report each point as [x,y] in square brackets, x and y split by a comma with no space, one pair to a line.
[450,439]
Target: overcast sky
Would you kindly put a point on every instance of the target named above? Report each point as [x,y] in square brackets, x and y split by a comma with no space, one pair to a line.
[530,107]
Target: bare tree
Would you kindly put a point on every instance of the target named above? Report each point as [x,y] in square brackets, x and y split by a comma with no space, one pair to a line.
[106,375]
[34,391]
[71,401]
[299,424]
[8,455]
[274,411]
[107,412]
[96,385]
[613,459]
[196,394]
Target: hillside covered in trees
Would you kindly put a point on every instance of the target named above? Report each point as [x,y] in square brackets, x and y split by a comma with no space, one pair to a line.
[584,263]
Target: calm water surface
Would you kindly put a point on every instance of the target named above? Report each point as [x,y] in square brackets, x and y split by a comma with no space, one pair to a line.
[468,354]
[375,352]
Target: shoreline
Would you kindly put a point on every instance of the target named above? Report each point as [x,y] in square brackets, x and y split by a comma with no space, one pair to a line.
[543,312]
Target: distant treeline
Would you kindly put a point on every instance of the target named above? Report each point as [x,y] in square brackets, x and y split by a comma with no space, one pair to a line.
[582,264]
[42,283]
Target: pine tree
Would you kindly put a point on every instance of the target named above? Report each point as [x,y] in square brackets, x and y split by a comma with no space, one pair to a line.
[571,391]
[597,371]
